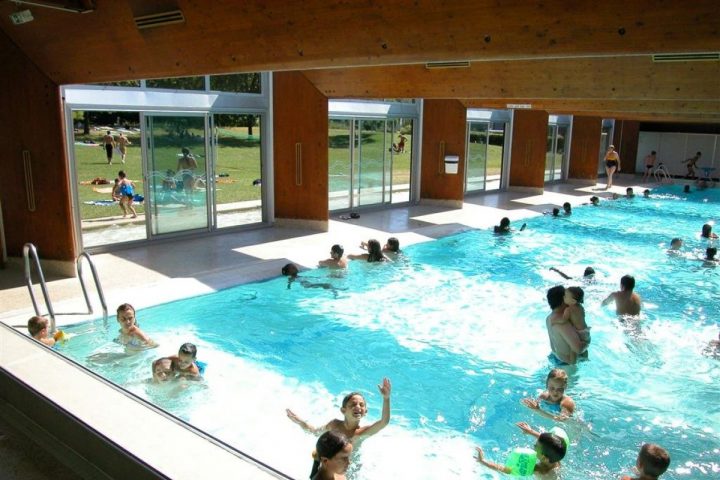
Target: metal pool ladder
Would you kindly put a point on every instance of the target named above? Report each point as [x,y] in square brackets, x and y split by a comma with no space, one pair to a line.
[30,250]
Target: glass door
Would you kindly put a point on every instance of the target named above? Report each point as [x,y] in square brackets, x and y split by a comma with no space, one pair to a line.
[176,172]
[550,153]
[370,179]
[398,143]
[237,159]
[340,168]
[477,150]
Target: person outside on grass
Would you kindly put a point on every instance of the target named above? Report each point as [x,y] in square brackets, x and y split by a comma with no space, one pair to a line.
[558,406]
[354,410]
[627,302]
[109,144]
[122,144]
[126,189]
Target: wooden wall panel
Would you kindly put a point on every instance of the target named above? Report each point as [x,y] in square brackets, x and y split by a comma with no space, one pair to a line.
[31,119]
[300,116]
[444,125]
[222,36]
[585,148]
[625,138]
[529,146]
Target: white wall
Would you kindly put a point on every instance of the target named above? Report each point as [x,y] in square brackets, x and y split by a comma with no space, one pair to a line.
[673,148]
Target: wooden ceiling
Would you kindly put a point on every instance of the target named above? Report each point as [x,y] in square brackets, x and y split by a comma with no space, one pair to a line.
[580,56]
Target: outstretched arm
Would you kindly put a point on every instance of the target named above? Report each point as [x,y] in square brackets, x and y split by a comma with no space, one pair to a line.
[385,390]
[609,299]
[495,466]
[535,405]
[303,424]
[562,274]
[527,429]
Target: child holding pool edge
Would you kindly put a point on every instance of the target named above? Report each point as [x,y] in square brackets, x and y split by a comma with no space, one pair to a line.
[130,334]
[652,462]
[353,410]
[38,329]
[550,448]
[554,394]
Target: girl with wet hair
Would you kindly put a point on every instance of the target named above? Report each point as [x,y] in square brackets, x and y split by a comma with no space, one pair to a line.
[331,456]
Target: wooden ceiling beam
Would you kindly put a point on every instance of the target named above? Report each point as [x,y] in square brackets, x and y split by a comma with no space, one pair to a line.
[620,78]
[579,106]
[255,35]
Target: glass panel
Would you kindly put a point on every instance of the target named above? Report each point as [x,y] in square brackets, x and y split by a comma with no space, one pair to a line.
[238,83]
[370,179]
[550,153]
[238,172]
[477,155]
[398,168]
[179,83]
[496,144]
[103,221]
[125,83]
[559,151]
[177,166]
[339,157]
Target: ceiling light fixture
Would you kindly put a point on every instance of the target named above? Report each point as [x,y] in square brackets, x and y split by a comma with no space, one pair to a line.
[159,19]
[686,57]
[458,64]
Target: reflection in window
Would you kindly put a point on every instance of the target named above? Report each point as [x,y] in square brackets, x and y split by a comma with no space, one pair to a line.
[179,83]
[124,83]
[237,83]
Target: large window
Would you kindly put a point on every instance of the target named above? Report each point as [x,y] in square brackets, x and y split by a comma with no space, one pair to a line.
[555,153]
[485,146]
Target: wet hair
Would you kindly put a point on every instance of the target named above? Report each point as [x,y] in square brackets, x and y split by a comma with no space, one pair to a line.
[567,207]
[646,192]
[686,189]
[290,270]
[36,324]
[557,374]
[552,446]
[124,308]
[706,230]
[160,360]
[628,282]
[328,445]
[188,349]
[653,460]
[556,212]
[374,251]
[594,199]
[577,293]
[122,174]
[710,253]
[675,240]
[504,222]
[589,272]
[394,244]
[555,296]
[347,398]
[629,190]
[653,152]
[699,154]
[337,248]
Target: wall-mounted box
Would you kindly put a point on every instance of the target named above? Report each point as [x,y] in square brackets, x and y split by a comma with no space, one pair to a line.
[451,164]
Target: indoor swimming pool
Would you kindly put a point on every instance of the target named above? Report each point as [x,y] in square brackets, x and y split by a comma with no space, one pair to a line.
[458,326]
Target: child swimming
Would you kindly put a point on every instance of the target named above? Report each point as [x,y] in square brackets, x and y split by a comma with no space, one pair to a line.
[130,334]
[38,329]
[162,370]
[553,396]
[353,410]
[550,448]
[331,457]
[185,362]
[575,314]
[652,461]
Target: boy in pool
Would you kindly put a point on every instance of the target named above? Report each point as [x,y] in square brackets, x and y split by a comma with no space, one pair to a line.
[567,208]
[163,370]
[185,362]
[38,329]
[337,258]
[550,449]
[353,410]
[629,193]
[627,302]
[554,396]
[710,260]
[652,461]
[575,314]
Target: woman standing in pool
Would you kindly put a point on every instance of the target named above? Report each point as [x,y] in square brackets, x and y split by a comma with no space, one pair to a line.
[130,334]
[353,409]
[612,164]
[375,253]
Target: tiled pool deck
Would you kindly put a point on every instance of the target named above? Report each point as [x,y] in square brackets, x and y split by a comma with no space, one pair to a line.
[162,272]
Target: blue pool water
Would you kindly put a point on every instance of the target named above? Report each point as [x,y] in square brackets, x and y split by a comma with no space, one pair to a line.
[458,326]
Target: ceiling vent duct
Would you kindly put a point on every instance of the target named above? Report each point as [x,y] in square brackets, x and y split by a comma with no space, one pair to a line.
[460,64]
[159,19]
[73,6]
[686,57]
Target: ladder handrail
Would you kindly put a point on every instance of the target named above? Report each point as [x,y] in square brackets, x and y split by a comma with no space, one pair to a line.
[78,262]
[29,248]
